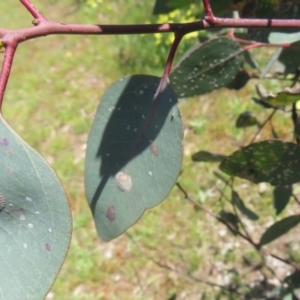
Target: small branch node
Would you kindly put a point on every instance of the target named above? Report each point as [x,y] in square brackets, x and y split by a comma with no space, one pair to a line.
[35,22]
[209,15]
[2,47]
[10,50]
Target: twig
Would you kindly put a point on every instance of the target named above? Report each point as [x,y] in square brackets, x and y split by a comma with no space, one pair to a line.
[6,68]
[183,274]
[34,12]
[295,198]
[286,261]
[263,125]
[254,44]
[11,38]
[295,117]
[162,84]
[222,192]
[209,15]
[241,223]
[235,211]
[229,226]
[169,62]
[257,247]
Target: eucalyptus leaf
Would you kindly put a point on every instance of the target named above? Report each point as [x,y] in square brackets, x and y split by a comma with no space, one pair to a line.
[240,80]
[272,161]
[286,97]
[290,58]
[283,37]
[293,280]
[134,152]
[206,67]
[278,229]
[281,197]
[35,225]
[246,119]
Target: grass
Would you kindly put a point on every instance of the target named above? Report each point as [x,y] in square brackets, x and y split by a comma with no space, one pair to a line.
[56,83]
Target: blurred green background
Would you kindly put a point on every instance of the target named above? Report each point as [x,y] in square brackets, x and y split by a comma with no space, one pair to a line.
[55,86]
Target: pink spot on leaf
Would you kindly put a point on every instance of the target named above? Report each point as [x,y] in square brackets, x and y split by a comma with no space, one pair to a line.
[8,171]
[4,142]
[111,213]
[47,247]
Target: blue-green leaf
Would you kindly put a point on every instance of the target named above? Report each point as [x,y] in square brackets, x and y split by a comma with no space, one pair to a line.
[134,152]
[35,225]
[207,67]
[273,161]
[284,37]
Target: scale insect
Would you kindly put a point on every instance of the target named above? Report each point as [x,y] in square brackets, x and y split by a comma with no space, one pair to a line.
[2,202]
[123,181]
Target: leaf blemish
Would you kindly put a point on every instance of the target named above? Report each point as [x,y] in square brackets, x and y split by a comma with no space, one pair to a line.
[123,181]
[153,149]
[111,213]
[4,142]
[47,247]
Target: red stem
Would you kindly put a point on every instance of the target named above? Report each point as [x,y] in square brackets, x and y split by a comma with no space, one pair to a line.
[11,38]
[169,62]
[162,84]
[34,12]
[209,15]
[5,70]
[49,27]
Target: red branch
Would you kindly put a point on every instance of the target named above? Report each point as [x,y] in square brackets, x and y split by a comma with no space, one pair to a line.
[34,12]
[43,27]
[47,27]
[163,82]
[209,16]
[5,70]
